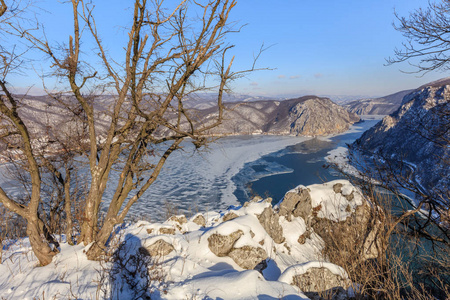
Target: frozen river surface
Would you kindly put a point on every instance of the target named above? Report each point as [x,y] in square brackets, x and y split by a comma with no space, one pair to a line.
[230,171]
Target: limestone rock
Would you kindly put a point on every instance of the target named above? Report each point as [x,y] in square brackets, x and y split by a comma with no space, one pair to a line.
[359,231]
[221,245]
[302,239]
[296,203]
[337,188]
[409,135]
[166,230]
[179,219]
[318,280]
[308,115]
[200,220]
[270,222]
[230,216]
[248,257]
[160,248]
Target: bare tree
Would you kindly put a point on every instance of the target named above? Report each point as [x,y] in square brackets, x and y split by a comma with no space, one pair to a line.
[168,56]
[427,33]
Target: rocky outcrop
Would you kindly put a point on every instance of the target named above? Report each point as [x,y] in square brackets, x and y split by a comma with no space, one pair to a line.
[221,245]
[358,237]
[377,106]
[248,257]
[296,203]
[200,220]
[415,137]
[160,248]
[229,216]
[319,116]
[308,116]
[316,276]
[291,243]
[270,222]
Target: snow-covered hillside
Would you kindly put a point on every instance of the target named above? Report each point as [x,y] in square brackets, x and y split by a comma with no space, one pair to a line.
[254,251]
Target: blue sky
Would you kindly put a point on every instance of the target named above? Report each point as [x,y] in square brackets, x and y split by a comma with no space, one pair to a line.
[323,47]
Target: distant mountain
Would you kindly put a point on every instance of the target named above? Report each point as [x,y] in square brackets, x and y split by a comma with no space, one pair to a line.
[307,115]
[48,120]
[418,132]
[208,100]
[377,106]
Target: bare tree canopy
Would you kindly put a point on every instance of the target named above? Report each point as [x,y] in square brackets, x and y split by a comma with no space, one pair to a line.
[169,54]
[427,33]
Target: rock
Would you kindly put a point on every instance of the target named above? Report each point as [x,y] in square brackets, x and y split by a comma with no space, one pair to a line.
[359,231]
[261,266]
[337,188]
[349,197]
[200,220]
[179,219]
[270,222]
[308,115]
[166,230]
[229,216]
[378,106]
[221,245]
[416,133]
[149,230]
[318,280]
[248,257]
[319,116]
[302,239]
[160,248]
[296,203]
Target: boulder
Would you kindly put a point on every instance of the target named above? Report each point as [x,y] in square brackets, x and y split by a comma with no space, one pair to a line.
[221,245]
[200,220]
[160,248]
[270,222]
[166,230]
[248,257]
[179,219]
[296,203]
[316,276]
[318,280]
[229,216]
[358,231]
[337,188]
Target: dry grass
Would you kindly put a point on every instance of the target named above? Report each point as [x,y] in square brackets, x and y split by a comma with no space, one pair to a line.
[404,267]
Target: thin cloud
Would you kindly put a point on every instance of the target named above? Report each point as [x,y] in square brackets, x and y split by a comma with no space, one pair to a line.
[294,76]
[281,76]
[318,75]
[254,83]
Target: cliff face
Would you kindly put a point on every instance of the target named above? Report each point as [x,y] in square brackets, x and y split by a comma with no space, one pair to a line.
[308,115]
[378,106]
[418,133]
[319,116]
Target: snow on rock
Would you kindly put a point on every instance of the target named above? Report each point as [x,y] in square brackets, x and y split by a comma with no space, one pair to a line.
[316,276]
[256,254]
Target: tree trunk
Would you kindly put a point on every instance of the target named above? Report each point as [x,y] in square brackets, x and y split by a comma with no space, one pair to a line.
[99,246]
[39,244]
[68,208]
[89,226]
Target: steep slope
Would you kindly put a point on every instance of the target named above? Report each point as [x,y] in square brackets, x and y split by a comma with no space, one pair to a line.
[377,106]
[308,115]
[418,133]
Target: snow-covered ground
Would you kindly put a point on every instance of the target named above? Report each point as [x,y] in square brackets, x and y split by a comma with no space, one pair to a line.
[189,269]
